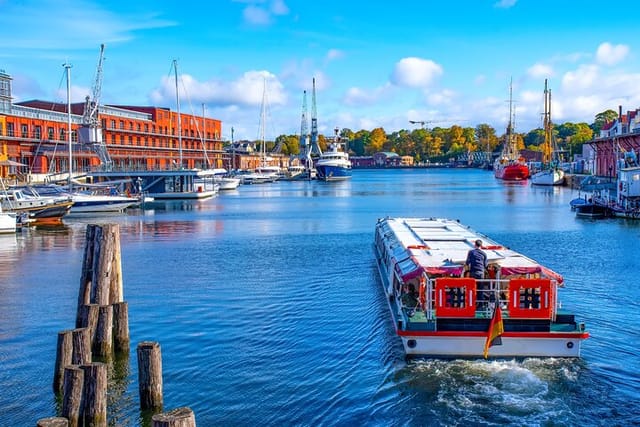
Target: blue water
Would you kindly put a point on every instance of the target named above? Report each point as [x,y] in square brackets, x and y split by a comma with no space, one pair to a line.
[268,308]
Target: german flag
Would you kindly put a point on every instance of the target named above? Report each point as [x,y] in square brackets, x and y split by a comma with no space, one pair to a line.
[496,328]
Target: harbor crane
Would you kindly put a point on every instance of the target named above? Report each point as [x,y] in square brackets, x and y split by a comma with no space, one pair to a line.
[90,132]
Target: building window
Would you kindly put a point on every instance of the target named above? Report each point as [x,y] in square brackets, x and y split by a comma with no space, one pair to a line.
[62,134]
[38,132]
[113,124]
[121,124]
[146,128]
[130,125]
[9,129]
[50,133]
[24,131]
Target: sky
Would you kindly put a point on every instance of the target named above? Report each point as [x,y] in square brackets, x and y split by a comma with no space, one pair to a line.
[375,63]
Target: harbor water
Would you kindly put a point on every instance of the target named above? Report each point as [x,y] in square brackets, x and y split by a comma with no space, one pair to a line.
[268,308]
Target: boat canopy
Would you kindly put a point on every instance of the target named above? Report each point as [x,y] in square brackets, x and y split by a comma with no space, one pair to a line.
[440,247]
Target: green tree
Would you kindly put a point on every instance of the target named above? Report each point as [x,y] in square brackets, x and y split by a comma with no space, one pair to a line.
[487,138]
[602,118]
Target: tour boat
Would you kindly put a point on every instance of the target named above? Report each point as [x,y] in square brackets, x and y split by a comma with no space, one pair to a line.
[439,312]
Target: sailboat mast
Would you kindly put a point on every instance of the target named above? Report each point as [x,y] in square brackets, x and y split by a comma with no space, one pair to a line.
[175,68]
[67,68]
[262,119]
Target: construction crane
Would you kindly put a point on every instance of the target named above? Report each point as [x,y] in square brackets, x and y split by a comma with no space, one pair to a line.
[422,123]
[90,132]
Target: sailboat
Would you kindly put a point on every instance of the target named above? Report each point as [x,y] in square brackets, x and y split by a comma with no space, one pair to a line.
[167,184]
[510,166]
[92,199]
[265,172]
[550,174]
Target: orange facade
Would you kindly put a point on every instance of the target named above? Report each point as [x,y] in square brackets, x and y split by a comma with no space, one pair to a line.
[35,133]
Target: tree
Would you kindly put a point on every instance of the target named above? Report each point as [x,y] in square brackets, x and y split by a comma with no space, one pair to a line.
[602,118]
[376,143]
[487,138]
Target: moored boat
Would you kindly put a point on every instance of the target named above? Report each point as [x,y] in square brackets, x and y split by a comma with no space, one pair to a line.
[334,164]
[550,172]
[36,208]
[510,165]
[8,222]
[438,312]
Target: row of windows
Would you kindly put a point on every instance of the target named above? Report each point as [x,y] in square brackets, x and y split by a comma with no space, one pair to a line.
[62,136]
[164,130]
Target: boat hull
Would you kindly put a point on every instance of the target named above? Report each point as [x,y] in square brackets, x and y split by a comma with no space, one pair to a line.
[8,222]
[512,172]
[472,346]
[332,173]
[548,177]
[94,204]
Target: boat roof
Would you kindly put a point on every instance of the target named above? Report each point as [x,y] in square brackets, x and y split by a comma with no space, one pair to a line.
[440,246]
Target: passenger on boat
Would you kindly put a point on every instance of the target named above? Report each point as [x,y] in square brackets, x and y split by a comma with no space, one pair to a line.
[477,265]
[410,296]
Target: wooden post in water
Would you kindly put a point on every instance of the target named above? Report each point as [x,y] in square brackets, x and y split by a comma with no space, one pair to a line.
[53,422]
[150,375]
[102,345]
[81,346]
[88,318]
[94,403]
[72,396]
[121,341]
[180,417]
[64,353]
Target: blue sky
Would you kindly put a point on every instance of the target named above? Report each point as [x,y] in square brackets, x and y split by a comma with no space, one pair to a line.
[376,63]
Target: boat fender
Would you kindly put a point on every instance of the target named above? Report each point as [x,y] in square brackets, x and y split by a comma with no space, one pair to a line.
[570,344]
[620,186]
[421,294]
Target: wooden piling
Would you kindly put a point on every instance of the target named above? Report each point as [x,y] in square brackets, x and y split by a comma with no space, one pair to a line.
[81,346]
[150,375]
[72,395]
[121,341]
[88,318]
[101,277]
[64,353]
[53,422]
[102,345]
[94,404]
[180,417]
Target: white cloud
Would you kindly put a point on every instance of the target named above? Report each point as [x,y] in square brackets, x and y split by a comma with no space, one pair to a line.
[540,70]
[415,72]
[247,90]
[583,78]
[609,54]
[444,97]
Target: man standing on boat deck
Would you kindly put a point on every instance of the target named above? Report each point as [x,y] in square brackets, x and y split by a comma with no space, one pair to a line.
[477,265]
[476,261]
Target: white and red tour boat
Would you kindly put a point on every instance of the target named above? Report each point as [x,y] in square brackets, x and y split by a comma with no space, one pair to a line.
[439,312]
